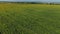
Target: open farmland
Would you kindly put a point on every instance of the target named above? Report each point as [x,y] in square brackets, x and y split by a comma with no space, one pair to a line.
[29,19]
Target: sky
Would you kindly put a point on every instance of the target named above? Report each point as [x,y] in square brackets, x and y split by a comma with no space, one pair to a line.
[34,0]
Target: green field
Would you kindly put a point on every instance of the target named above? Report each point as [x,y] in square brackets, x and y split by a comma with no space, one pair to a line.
[29,19]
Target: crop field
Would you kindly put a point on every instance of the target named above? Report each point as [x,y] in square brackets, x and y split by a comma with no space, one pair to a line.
[29,19]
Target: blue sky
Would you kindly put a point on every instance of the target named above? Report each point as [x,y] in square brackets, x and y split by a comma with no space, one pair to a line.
[34,0]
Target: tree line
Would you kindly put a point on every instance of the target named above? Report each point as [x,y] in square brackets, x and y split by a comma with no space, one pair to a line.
[33,3]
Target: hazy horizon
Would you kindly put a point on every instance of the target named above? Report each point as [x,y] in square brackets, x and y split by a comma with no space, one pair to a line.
[33,0]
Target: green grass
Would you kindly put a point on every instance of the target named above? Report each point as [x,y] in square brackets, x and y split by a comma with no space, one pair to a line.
[29,19]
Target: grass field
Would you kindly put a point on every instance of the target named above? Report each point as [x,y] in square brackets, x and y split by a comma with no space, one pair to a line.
[29,19]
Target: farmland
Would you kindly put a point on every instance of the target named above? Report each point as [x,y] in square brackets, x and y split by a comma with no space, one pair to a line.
[29,19]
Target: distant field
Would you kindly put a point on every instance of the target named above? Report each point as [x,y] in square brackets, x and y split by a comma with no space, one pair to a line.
[29,19]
